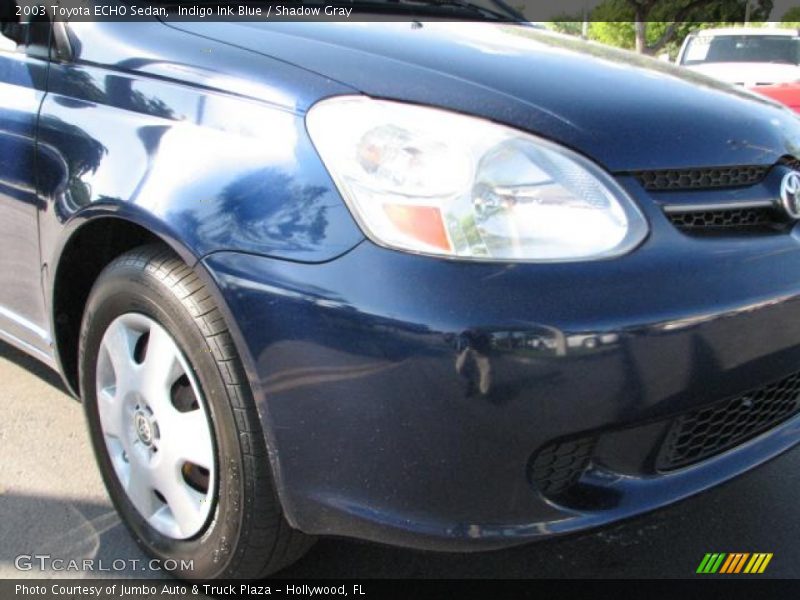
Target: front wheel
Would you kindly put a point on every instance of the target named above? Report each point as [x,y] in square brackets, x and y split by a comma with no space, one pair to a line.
[174,426]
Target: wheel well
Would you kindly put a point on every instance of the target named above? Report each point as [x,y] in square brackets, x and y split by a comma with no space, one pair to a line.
[86,254]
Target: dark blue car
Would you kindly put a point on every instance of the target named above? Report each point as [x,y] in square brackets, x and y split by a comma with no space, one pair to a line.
[445,285]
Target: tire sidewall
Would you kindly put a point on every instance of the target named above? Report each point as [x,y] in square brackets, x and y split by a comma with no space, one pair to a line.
[128,289]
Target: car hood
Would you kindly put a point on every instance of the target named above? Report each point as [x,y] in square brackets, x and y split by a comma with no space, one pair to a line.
[625,111]
[749,74]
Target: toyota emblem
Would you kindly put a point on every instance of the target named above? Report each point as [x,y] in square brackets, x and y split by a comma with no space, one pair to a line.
[790,194]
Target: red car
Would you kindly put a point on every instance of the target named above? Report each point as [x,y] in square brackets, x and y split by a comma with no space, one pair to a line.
[785,93]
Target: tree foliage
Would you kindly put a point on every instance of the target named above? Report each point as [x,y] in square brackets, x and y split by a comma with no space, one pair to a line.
[791,18]
[657,26]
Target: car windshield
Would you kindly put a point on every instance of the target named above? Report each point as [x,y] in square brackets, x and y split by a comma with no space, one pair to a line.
[743,48]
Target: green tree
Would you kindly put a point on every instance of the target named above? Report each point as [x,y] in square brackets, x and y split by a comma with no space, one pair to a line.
[791,18]
[652,26]
[567,24]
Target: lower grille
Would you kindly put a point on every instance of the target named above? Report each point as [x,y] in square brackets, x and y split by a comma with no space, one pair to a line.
[662,446]
[705,432]
[559,465]
[745,219]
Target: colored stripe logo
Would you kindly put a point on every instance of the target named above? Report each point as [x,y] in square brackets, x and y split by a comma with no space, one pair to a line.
[734,563]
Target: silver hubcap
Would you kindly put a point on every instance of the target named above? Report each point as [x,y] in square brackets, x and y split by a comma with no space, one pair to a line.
[155,426]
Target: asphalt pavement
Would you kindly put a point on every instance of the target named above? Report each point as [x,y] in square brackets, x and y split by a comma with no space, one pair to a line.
[52,501]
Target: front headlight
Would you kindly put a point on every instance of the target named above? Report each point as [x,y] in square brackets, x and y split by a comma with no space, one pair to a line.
[435,182]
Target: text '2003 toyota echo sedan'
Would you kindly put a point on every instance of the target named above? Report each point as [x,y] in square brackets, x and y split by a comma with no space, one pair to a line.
[444,285]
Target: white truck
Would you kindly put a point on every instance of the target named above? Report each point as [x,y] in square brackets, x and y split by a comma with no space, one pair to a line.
[747,56]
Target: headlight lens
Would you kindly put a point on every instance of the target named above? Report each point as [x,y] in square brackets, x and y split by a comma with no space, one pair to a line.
[430,181]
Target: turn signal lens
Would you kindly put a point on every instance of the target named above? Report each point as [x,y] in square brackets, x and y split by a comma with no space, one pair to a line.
[423,223]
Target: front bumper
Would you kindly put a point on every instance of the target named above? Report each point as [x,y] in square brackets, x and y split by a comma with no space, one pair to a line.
[406,399]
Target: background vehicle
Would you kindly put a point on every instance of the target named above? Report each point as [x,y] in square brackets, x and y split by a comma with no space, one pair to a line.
[744,56]
[380,282]
[785,93]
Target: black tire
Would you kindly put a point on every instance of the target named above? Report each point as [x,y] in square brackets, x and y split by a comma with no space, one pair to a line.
[246,535]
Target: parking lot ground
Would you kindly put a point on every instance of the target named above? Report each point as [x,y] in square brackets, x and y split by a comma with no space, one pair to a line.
[52,501]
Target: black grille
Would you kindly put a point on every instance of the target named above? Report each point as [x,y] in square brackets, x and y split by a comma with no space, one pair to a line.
[703,433]
[696,179]
[791,162]
[751,218]
[559,465]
